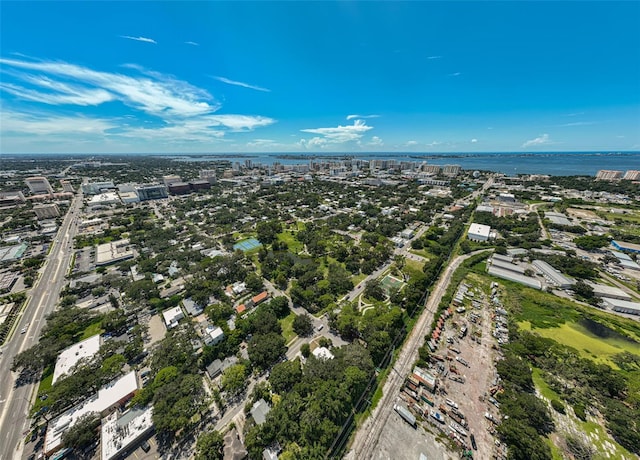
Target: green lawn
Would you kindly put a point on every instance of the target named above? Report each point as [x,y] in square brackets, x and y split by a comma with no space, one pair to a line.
[294,245]
[287,327]
[357,279]
[91,330]
[413,266]
[589,345]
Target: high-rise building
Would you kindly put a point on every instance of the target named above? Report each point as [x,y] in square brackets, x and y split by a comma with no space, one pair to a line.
[66,186]
[152,192]
[607,174]
[632,175]
[95,188]
[38,185]
[46,211]
[451,170]
[171,179]
[209,175]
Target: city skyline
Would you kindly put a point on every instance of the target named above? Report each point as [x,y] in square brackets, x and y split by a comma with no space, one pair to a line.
[319,77]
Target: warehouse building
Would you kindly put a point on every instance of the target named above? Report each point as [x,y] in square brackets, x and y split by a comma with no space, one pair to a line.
[552,275]
[626,247]
[507,266]
[623,306]
[557,218]
[608,292]
[513,276]
[478,232]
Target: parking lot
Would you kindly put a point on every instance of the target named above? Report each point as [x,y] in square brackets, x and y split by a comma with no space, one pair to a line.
[462,408]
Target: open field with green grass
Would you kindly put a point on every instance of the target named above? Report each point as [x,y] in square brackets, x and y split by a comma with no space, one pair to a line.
[413,266]
[294,245]
[287,327]
[589,345]
[91,330]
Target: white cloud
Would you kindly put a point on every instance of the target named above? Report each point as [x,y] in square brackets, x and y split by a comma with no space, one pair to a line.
[455,74]
[353,117]
[574,114]
[340,133]
[180,112]
[473,141]
[140,39]
[577,123]
[192,43]
[410,143]
[434,143]
[240,122]
[375,140]
[62,93]
[160,95]
[434,57]
[239,83]
[543,139]
[17,124]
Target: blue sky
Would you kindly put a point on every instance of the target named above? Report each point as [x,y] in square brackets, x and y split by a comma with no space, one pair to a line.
[316,76]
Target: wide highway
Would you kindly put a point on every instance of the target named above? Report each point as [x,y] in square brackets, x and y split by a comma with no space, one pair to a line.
[42,299]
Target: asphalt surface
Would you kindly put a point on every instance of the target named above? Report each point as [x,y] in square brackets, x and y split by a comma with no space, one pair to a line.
[15,402]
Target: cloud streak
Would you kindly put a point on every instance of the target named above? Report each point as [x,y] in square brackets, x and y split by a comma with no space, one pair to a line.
[140,39]
[180,111]
[434,57]
[242,84]
[361,117]
[192,43]
[543,139]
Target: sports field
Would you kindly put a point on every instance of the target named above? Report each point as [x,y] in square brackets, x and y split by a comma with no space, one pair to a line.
[247,245]
[391,283]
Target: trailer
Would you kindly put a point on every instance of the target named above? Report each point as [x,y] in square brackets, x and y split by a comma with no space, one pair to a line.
[405,414]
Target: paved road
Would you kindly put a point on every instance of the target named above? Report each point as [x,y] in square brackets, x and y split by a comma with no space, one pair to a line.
[15,402]
[366,439]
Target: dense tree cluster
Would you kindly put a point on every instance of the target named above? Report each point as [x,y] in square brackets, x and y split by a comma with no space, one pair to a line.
[315,402]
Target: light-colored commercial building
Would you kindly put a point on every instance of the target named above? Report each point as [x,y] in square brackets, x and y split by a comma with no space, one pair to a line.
[38,185]
[152,192]
[66,186]
[71,356]
[113,252]
[95,188]
[46,211]
[478,232]
[108,398]
[119,432]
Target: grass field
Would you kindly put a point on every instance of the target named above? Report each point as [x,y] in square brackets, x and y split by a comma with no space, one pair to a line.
[294,245]
[287,327]
[413,266]
[589,345]
[91,330]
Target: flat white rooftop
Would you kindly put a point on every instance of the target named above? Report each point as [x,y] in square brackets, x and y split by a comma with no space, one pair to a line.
[113,252]
[72,356]
[479,230]
[106,397]
[121,431]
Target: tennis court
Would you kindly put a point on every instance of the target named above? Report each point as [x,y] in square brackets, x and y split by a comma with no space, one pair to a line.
[247,245]
[391,283]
